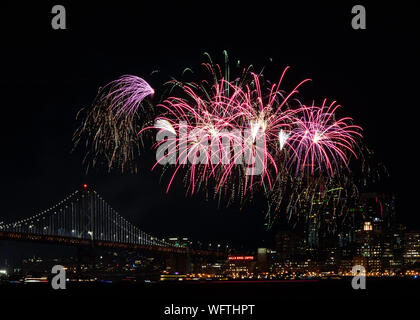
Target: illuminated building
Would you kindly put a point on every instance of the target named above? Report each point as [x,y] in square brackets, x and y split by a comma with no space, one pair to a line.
[240,266]
[379,208]
[367,226]
[392,250]
[412,250]
[290,246]
[263,259]
[380,250]
[368,246]
[345,266]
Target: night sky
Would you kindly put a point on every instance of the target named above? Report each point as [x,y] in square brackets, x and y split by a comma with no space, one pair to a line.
[48,75]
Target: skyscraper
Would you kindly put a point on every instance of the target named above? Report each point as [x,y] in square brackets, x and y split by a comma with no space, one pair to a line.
[412,250]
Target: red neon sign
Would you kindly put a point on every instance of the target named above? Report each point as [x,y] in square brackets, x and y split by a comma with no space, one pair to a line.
[241,258]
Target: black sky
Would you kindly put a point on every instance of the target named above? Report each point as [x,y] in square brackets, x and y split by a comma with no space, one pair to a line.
[48,75]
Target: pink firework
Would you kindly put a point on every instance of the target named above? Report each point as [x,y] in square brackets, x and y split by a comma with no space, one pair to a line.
[127,93]
[194,123]
[269,112]
[241,122]
[235,135]
[320,141]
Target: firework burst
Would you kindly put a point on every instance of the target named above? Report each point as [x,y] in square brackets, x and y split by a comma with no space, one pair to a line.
[126,94]
[110,126]
[320,141]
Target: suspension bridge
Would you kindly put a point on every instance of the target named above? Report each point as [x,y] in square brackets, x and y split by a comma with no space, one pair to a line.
[85,219]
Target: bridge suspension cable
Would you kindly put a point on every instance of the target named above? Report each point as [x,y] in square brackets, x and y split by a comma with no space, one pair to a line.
[84,215]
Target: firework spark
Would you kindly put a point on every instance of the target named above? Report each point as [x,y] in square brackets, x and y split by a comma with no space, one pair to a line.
[322,142]
[126,94]
[110,127]
[228,114]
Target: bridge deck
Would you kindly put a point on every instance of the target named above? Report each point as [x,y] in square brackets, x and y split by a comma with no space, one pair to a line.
[70,241]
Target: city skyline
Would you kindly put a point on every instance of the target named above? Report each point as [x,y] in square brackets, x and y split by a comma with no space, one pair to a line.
[374,238]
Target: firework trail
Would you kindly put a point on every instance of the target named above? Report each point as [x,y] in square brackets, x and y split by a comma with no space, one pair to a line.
[321,199]
[110,126]
[126,94]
